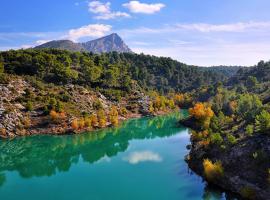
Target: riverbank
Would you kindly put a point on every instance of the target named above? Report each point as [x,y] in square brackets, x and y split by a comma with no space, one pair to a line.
[29,108]
[241,168]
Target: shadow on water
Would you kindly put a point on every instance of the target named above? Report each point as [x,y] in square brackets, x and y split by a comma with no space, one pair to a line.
[39,156]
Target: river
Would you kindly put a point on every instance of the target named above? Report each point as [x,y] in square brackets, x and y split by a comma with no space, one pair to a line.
[142,159]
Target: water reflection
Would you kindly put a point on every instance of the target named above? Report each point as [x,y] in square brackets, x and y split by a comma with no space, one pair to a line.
[47,155]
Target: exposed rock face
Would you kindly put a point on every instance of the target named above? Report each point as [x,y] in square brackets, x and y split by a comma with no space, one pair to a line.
[10,114]
[246,166]
[105,44]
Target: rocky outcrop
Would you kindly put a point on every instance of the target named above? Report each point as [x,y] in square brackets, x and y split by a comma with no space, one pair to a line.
[246,166]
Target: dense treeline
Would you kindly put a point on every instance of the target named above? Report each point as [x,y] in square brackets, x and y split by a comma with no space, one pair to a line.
[112,70]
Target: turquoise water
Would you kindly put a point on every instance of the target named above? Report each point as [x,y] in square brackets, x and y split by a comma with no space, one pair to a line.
[143,159]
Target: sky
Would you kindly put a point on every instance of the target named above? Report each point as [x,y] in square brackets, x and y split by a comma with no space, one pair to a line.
[204,33]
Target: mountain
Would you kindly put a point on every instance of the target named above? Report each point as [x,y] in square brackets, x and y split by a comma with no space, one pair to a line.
[105,44]
[62,44]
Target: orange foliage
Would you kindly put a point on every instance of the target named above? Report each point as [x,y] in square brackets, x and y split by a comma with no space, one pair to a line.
[57,117]
[3,132]
[233,106]
[75,124]
[53,115]
[203,113]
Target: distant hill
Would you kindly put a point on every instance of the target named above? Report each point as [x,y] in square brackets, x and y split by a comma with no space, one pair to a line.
[227,71]
[105,44]
[62,44]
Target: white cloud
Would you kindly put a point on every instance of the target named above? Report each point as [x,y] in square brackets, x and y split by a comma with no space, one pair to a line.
[143,156]
[112,15]
[138,7]
[103,10]
[99,7]
[91,30]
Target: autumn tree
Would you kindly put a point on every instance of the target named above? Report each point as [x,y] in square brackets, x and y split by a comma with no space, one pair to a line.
[113,114]
[203,113]
[101,118]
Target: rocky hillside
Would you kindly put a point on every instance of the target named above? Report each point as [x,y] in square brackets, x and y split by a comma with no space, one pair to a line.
[30,107]
[105,44]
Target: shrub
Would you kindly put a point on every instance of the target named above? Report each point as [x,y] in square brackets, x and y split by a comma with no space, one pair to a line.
[101,118]
[57,117]
[94,120]
[231,139]
[75,124]
[81,123]
[29,106]
[262,121]
[114,116]
[123,112]
[97,105]
[250,130]
[216,139]
[203,113]
[151,108]
[3,131]
[88,122]
[212,171]
[53,115]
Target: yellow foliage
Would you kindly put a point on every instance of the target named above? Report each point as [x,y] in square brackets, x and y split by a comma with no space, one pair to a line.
[151,108]
[114,116]
[203,113]
[212,171]
[94,120]
[81,123]
[88,122]
[124,112]
[101,118]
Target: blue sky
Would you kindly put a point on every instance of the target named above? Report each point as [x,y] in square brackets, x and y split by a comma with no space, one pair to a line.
[208,32]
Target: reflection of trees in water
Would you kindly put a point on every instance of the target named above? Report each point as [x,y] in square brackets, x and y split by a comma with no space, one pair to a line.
[46,155]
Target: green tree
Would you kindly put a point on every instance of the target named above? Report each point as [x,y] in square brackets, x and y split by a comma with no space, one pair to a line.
[262,121]
[249,106]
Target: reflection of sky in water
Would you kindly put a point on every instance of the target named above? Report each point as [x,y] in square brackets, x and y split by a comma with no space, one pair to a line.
[142,156]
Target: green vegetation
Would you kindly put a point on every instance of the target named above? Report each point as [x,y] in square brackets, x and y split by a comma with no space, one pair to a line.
[112,70]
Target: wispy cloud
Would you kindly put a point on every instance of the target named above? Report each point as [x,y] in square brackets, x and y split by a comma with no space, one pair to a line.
[138,7]
[91,30]
[103,10]
[143,156]
[234,27]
